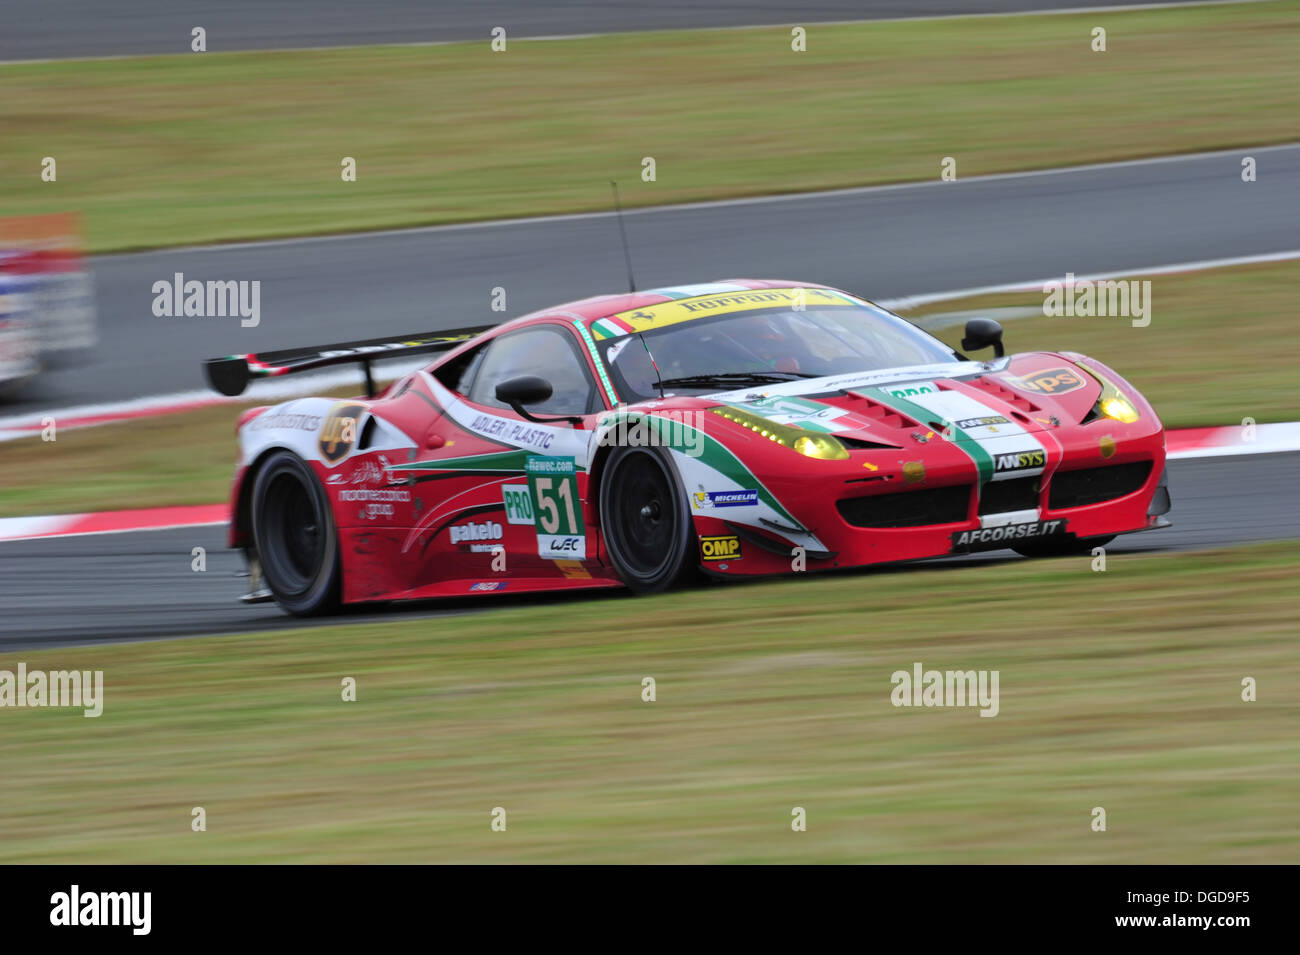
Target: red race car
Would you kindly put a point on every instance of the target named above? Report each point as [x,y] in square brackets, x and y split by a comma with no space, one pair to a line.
[738,428]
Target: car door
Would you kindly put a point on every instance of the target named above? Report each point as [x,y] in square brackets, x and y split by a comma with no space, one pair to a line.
[502,496]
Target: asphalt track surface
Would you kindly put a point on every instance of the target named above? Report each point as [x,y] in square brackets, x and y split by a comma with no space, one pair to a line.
[55,29]
[115,587]
[881,243]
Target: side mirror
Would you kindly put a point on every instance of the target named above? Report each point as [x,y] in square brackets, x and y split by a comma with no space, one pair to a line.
[529,390]
[981,333]
[524,390]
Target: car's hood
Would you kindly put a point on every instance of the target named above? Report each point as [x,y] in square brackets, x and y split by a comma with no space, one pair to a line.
[1031,392]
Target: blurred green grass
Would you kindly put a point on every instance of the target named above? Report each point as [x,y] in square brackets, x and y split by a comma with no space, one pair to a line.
[1118,689]
[222,146]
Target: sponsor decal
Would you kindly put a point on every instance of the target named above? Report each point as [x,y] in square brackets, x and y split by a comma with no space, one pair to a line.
[339,433]
[518,503]
[475,531]
[1020,461]
[985,536]
[284,419]
[1053,381]
[557,512]
[683,310]
[513,432]
[487,585]
[988,422]
[907,391]
[746,498]
[720,548]
[561,547]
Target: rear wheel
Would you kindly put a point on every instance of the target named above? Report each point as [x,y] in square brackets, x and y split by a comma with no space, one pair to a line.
[1063,547]
[645,521]
[296,540]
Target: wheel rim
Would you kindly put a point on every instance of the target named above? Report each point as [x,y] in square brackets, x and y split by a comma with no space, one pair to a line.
[645,514]
[293,545]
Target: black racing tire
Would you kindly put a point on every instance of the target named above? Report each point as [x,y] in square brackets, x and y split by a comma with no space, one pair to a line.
[1066,547]
[295,535]
[645,519]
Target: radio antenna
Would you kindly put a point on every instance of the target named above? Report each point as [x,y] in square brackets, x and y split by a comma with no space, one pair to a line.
[622,231]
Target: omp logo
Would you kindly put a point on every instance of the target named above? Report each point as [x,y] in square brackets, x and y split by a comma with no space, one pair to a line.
[910,390]
[486,531]
[1021,461]
[339,433]
[720,548]
[1054,381]
[967,423]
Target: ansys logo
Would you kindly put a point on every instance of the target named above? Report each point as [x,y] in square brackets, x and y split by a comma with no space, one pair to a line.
[1022,461]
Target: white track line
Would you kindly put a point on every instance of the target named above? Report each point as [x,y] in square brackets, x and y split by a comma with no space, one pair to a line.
[851,191]
[1060,11]
[271,391]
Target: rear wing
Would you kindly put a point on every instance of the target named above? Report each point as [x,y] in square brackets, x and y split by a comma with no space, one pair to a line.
[231,375]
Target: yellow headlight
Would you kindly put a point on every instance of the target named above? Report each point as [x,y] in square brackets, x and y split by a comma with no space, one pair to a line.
[820,446]
[1118,408]
[824,447]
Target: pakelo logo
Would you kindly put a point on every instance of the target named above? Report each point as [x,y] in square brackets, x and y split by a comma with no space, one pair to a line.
[1054,381]
[720,548]
[486,531]
[746,498]
[339,432]
[1021,461]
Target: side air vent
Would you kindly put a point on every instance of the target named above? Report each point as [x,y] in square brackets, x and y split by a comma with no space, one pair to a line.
[1002,393]
[1018,494]
[1095,485]
[940,505]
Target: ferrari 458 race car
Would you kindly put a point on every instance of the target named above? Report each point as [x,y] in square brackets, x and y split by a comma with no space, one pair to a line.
[736,429]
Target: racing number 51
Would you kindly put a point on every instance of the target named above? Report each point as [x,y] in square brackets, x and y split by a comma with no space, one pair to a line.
[549,497]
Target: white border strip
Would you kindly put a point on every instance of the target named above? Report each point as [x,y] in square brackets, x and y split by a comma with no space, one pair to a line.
[847,192]
[996,14]
[25,426]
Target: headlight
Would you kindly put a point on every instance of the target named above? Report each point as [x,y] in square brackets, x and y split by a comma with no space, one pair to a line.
[1111,403]
[824,447]
[1118,408]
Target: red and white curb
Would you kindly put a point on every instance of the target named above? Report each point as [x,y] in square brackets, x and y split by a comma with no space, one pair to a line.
[1233,439]
[1184,443]
[112,522]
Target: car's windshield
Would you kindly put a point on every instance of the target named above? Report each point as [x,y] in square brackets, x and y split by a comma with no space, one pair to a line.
[758,347]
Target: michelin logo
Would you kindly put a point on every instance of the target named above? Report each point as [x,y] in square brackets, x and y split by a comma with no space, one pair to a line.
[747,498]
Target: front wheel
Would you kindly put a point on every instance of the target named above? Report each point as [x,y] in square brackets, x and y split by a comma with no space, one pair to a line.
[1061,548]
[293,529]
[645,520]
